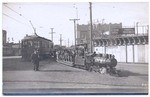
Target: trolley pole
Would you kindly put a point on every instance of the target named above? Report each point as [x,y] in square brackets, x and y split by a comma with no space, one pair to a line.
[33,27]
[74,20]
[91,37]
[52,33]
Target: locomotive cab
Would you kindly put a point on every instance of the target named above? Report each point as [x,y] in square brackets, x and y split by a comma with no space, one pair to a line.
[79,56]
[82,57]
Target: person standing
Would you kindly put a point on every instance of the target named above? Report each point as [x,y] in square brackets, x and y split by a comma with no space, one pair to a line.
[35,60]
[54,54]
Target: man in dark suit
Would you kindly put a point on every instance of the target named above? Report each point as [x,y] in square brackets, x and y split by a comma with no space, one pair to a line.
[35,60]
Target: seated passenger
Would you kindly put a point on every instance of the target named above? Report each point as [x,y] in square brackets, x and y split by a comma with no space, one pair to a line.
[94,54]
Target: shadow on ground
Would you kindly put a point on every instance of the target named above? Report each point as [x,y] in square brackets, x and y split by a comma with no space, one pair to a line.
[126,73]
[58,71]
[18,64]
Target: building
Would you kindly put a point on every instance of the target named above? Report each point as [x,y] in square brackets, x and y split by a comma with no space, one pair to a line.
[10,49]
[124,43]
[83,31]
[4,37]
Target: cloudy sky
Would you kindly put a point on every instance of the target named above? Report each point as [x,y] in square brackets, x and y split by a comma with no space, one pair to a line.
[16,17]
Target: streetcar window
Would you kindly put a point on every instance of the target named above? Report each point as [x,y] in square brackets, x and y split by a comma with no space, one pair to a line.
[36,44]
[25,43]
[44,45]
[29,43]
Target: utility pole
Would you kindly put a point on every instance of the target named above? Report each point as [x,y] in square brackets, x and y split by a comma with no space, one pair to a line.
[76,9]
[72,42]
[103,21]
[52,33]
[74,20]
[60,40]
[103,27]
[68,42]
[147,29]
[65,43]
[91,40]
[137,27]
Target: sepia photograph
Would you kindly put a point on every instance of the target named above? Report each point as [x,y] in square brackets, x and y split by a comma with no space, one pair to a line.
[75,48]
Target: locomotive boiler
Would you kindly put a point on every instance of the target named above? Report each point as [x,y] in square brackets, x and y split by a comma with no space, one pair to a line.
[104,61]
[101,62]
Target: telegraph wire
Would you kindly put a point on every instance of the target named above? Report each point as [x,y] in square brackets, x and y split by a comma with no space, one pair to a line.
[12,10]
[16,12]
[15,19]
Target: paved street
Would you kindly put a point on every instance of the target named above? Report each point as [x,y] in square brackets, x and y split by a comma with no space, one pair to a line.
[56,78]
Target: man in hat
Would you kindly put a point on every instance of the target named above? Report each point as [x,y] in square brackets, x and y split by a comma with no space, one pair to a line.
[35,60]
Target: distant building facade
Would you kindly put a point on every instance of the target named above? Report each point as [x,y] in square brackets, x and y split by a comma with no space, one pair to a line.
[123,42]
[99,30]
[4,37]
[10,49]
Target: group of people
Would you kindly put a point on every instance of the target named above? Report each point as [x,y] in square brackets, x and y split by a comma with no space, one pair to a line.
[66,55]
[63,54]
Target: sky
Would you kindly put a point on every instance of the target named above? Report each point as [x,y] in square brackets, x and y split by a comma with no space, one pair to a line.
[45,16]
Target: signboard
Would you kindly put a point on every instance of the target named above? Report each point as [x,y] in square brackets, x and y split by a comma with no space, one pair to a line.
[128,30]
[115,31]
[123,31]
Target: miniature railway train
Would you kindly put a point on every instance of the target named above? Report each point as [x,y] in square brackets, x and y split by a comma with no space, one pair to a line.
[35,42]
[90,61]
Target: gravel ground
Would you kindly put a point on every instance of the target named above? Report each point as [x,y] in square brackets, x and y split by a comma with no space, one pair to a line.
[19,75]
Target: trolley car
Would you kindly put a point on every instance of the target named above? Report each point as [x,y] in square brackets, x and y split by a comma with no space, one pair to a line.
[35,42]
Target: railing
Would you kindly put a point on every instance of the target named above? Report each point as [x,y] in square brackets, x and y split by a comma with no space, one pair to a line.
[122,40]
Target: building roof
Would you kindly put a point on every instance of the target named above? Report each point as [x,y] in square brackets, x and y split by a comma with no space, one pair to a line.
[28,37]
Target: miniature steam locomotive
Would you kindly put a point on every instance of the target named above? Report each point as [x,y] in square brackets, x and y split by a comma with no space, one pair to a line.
[102,63]
[95,62]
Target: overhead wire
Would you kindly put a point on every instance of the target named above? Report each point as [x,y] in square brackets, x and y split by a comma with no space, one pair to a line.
[17,14]
[12,9]
[15,19]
